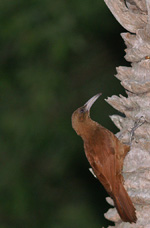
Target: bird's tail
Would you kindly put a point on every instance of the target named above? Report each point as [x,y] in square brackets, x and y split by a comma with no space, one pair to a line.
[124,205]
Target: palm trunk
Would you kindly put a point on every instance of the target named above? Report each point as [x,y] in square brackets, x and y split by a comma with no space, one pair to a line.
[134,16]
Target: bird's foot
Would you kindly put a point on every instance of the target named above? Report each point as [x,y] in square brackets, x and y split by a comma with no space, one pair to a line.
[137,124]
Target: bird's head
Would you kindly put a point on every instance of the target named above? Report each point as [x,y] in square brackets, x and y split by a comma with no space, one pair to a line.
[81,116]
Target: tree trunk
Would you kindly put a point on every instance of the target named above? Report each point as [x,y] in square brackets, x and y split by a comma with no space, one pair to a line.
[134,16]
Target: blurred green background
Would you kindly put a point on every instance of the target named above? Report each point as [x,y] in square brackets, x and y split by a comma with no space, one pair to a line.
[54,55]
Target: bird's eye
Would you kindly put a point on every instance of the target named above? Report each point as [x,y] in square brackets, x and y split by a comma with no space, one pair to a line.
[81,110]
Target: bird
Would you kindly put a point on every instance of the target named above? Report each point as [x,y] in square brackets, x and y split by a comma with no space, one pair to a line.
[105,153]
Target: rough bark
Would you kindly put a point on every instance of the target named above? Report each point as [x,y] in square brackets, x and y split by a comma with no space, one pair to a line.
[134,16]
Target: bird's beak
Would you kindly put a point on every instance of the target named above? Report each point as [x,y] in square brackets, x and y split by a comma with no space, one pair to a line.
[91,101]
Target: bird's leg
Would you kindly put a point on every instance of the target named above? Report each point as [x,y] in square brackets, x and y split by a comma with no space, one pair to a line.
[137,124]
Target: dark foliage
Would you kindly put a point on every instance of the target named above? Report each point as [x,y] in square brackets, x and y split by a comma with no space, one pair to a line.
[54,55]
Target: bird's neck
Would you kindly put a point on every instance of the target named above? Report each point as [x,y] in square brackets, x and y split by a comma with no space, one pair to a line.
[88,129]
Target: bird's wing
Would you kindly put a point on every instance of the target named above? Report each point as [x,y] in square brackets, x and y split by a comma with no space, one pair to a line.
[105,154]
[102,162]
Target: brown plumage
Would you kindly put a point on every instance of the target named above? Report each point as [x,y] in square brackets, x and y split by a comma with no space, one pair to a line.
[105,154]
